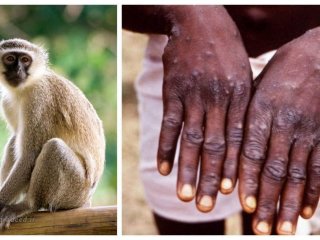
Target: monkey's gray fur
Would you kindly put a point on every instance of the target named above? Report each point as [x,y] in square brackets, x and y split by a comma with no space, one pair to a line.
[55,155]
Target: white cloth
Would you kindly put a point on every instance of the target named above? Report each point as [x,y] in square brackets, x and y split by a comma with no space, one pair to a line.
[160,191]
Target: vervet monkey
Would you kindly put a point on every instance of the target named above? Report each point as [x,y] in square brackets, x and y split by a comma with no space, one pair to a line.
[55,155]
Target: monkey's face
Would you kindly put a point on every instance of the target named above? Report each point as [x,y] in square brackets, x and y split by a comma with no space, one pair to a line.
[21,63]
[16,66]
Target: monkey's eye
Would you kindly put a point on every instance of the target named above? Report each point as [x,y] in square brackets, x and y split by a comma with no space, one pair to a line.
[25,60]
[9,59]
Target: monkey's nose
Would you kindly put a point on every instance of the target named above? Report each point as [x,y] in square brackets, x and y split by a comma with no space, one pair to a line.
[20,73]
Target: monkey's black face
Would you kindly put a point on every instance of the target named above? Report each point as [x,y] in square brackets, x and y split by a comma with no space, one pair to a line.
[16,66]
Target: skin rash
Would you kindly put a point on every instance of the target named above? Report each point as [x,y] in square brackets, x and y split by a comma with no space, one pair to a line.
[206,93]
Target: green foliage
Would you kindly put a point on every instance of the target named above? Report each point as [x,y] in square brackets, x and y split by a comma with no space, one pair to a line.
[81,41]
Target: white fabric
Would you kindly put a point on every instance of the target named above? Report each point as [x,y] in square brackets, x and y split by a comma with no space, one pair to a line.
[160,191]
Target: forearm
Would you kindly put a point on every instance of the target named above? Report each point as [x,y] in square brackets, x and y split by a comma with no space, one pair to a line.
[162,19]
[7,160]
[17,179]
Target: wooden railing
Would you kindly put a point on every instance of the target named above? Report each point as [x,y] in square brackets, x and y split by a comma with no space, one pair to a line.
[93,220]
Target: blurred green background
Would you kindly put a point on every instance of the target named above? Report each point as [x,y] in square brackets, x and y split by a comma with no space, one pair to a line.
[82,45]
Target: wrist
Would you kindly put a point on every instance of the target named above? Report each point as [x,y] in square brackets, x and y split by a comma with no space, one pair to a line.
[169,19]
[190,18]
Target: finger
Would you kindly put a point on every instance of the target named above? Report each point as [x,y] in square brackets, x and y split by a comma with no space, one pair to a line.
[312,188]
[213,152]
[292,195]
[169,134]
[272,179]
[234,135]
[191,143]
[253,154]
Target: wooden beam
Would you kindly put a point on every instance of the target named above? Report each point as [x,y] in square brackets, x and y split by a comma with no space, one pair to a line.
[80,221]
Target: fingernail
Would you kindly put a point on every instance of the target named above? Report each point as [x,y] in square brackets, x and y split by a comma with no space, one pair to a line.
[164,167]
[251,202]
[307,212]
[286,227]
[226,184]
[187,191]
[263,227]
[205,203]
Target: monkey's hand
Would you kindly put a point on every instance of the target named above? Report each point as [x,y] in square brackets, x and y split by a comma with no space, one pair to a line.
[206,90]
[9,213]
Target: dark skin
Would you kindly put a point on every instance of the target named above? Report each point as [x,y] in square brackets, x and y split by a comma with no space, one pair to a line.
[281,146]
[207,90]
[209,93]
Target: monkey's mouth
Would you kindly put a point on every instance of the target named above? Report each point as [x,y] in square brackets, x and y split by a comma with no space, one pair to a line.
[14,79]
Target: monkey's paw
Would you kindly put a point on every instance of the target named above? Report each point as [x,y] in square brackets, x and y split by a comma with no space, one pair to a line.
[8,214]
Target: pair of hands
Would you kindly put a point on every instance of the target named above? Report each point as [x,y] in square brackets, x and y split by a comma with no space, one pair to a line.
[206,92]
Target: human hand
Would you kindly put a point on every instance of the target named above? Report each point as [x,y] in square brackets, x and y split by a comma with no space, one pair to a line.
[206,90]
[281,152]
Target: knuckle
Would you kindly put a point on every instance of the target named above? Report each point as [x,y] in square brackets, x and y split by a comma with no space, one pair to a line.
[215,86]
[286,119]
[276,170]
[296,175]
[230,165]
[191,83]
[171,121]
[240,91]
[254,151]
[290,205]
[251,183]
[193,136]
[315,169]
[313,191]
[266,206]
[235,136]
[216,147]
[210,181]
[217,93]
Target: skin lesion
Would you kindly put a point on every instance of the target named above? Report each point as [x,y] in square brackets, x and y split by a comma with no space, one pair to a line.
[288,88]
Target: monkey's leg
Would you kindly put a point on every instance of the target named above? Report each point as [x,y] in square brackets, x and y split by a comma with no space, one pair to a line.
[58,181]
[7,160]
[59,178]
